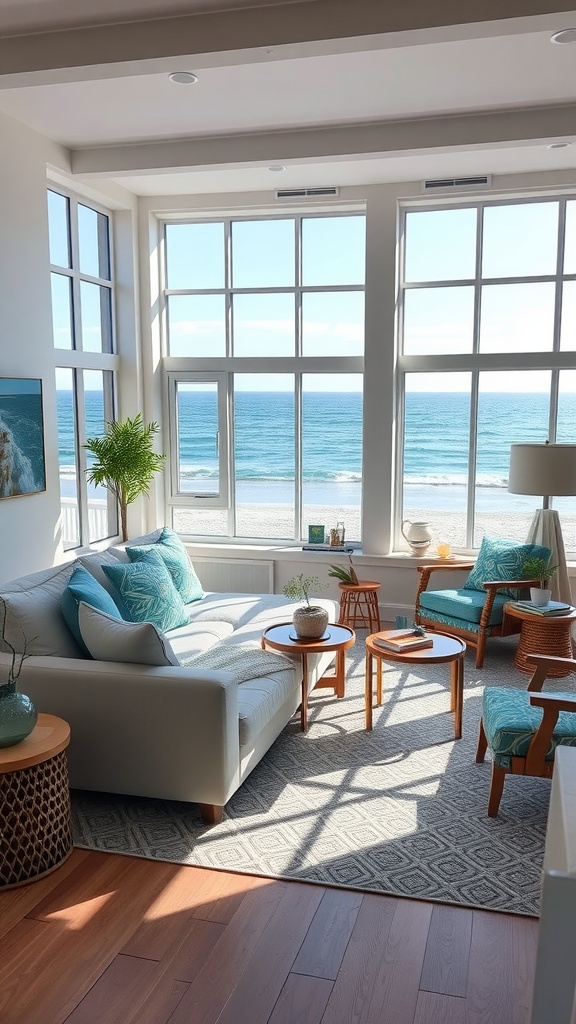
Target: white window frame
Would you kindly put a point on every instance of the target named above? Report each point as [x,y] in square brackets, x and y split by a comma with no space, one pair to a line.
[552,360]
[77,360]
[190,498]
[181,368]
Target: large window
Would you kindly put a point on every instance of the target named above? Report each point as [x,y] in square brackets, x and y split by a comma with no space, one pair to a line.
[265,342]
[81,278]
[487,315]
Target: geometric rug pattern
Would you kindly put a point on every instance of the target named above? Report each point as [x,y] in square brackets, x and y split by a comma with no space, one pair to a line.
[400,810]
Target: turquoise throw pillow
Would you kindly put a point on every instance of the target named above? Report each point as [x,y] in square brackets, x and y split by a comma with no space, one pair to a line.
[174,554]
[147,590]
[502,560]
[83,587]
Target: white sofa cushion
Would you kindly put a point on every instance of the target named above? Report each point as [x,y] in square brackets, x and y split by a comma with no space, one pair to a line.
[33,610]
[195,637]
[112,639]
[244,609]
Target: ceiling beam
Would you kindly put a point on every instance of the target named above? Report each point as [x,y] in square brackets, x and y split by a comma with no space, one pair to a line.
[432,134]
[280,31]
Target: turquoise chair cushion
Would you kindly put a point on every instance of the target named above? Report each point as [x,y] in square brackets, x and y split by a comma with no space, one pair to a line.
[462,605]
[502,560]
[510,722]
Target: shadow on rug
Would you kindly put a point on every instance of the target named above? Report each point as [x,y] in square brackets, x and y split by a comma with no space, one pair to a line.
[401,810]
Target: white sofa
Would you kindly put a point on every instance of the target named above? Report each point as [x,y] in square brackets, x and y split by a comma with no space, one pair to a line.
[177,733]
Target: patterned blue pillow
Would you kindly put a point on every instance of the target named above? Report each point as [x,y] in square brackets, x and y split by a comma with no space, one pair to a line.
[83,587]
[502,560]
[148,592]
[174,554]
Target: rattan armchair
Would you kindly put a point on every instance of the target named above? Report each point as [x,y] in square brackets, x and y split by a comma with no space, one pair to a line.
[524,727]
[476,611]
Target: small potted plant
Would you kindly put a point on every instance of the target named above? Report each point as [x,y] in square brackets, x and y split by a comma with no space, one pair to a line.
[309,620]
[540,569]
[345,575]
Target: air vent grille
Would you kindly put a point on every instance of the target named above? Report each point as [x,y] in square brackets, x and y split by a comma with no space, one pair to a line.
[306,193]
[450,184]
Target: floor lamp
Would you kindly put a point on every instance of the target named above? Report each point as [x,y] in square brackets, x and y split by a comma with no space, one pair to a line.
[546,469]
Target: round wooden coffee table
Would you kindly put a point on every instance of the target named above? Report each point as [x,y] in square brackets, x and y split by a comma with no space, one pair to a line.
[543,634]
[445,649]
[282,637]
[35,826]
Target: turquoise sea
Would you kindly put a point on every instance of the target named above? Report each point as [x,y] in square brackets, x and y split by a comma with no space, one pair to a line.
[436,448]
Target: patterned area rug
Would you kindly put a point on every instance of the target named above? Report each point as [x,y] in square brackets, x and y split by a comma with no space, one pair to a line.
[401,810]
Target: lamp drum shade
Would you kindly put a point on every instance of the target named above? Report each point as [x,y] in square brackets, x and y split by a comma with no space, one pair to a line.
[544,469]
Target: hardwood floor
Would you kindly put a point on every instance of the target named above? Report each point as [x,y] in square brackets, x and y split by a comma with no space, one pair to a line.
[108,939]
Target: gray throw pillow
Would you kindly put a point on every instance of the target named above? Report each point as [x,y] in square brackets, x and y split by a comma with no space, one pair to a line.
[111,639]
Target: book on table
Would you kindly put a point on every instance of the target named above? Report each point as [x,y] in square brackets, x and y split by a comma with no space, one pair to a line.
[398,640]
[552,608]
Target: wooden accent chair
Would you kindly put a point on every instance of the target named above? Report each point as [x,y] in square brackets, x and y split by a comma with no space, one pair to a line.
[524,727]
[476,611]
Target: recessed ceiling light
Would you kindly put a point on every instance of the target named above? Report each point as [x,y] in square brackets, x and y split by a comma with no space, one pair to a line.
[277,168]
[566,35]
[183,77]
[559,145]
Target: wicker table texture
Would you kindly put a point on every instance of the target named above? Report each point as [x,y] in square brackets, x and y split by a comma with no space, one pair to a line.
[543,634]
[35,824]
[359,605]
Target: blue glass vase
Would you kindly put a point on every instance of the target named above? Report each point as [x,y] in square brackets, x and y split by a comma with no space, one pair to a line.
[18,716]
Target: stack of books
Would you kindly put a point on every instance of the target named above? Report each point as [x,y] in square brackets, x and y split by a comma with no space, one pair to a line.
[552,608]
[399,640]
[324,547]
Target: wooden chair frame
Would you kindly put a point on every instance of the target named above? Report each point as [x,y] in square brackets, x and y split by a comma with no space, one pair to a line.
[534,763]
[473,639]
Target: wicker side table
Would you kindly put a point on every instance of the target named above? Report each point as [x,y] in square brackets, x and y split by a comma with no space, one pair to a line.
[35,824]
[542,634]
[359,605]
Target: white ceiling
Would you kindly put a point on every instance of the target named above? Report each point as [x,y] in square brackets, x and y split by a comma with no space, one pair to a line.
[388,100]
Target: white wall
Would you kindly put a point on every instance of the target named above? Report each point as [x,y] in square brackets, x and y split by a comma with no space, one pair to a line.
[28,524]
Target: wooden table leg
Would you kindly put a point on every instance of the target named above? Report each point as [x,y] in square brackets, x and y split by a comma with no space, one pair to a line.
[378,681]
[368,691]
[457,694]
[340,677]
[304,704]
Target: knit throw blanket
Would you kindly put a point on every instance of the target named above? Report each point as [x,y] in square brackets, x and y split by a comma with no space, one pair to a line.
[244,661]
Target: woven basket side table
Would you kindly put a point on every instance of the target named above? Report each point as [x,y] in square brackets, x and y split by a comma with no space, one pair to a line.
[35,822]
[359,605]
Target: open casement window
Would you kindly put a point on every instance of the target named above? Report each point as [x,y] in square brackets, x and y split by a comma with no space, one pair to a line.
[199,440]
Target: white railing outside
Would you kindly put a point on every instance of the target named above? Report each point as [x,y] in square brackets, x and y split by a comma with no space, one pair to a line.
[97,520]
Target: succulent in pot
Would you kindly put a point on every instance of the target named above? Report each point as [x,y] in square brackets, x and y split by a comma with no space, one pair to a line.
[309,620]
[345,575]
[540,569]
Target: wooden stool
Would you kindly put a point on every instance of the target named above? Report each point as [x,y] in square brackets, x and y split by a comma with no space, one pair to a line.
[359,605]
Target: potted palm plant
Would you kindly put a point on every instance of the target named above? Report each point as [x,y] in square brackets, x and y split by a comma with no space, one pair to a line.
[540,569]
[125,461]
[309,620]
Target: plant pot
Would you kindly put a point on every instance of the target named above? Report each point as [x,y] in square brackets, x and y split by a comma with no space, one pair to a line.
[18,716]
[310,622]
[539,596]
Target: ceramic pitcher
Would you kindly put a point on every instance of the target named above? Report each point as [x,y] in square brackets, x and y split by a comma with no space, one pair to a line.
[418,536]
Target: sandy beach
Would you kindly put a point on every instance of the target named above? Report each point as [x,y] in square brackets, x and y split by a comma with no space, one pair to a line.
[269,520]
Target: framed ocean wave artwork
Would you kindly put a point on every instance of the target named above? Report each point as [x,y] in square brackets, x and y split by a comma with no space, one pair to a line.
[22,459]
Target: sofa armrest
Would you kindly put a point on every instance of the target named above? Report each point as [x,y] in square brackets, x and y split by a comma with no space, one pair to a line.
[170,732]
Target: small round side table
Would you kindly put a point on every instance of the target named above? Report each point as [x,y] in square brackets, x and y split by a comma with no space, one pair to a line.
[35,823]
[444,650]
[543,634]
[281,638]
[359,605]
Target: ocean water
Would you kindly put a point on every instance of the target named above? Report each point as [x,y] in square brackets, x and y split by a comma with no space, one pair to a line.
[436,446]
